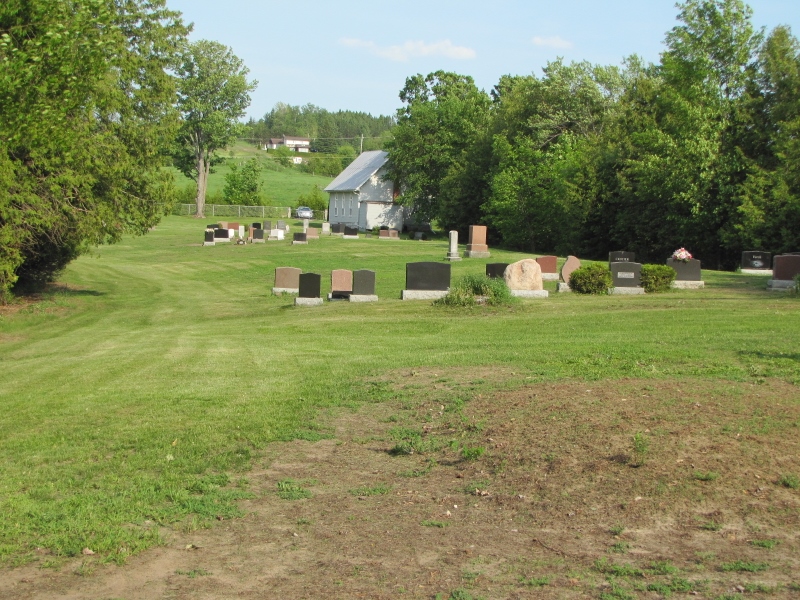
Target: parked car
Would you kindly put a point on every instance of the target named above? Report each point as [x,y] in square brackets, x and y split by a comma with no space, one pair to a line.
[303,212]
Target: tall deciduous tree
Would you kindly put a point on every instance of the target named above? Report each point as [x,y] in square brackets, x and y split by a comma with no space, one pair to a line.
[86,108]
[213,93]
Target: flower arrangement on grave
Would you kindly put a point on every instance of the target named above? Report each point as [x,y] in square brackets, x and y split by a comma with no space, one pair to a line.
[682,254]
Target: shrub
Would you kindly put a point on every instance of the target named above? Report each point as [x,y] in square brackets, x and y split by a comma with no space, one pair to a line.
[657,278]
[467,288]
[591,279]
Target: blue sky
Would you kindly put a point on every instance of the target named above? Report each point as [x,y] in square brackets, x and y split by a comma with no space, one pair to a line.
[356,54]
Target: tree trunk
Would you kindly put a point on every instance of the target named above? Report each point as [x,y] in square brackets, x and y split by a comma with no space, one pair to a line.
[202,180]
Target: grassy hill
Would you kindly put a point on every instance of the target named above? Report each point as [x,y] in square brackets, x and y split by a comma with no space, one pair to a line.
[145,388]
[281,185]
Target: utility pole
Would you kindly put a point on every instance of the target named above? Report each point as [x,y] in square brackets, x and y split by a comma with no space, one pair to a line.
[361,150]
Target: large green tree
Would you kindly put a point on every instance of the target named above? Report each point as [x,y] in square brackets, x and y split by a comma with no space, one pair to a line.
[86,107]
[213,93]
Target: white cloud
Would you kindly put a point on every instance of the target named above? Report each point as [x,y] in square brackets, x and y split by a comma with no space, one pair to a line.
[553,41]
[412,49]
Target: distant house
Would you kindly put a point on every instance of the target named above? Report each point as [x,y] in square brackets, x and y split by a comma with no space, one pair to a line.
[361,196]
[297,144]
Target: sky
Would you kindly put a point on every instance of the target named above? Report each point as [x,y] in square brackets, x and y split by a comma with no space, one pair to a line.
[357,54]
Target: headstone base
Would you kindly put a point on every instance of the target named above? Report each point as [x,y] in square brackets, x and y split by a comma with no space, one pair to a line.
[362,298]
[477,254]
[308,301]
[780,285]
[278,291]
[255,241]
[294,242]
[222,239]
[423,294]
[626,291]
[688,285]
[756,272]
[273,238]
[564,287]
[530,293]
[396,239]
[333,296]
[349,237]
[336,234]
[208,243]
[451,257]
[549,276]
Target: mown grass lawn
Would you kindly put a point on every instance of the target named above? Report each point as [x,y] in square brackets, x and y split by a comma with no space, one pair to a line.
[139,392]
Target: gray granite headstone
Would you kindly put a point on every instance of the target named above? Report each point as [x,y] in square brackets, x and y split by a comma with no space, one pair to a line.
[267,225]
[756,260]
[364,283]
[626,274]
[258,234]
[495,270]
[785,266]
[428,276]
[621,256]
[310,284]
[686,270]
[281,224]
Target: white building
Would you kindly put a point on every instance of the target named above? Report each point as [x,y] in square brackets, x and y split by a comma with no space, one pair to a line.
[297,144]
[362,197]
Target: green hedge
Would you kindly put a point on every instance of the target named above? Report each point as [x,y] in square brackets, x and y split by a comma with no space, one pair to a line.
[657,278]
[591,279]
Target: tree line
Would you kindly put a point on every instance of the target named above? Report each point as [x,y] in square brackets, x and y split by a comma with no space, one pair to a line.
[327,130]
[700,150]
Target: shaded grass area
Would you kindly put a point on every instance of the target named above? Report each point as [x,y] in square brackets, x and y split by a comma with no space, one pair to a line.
[137,395]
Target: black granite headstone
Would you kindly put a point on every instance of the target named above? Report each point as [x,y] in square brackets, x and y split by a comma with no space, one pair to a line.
[756,260]
[495,270]
[428,276]
[255,226]
[364,283]
[300,237]
[310,285]
[626,274]
[258,234]
[350,230]
[337,228]
[221,233]
[384,228]
[209,236]
[212,226]
[621,256]
[686,270]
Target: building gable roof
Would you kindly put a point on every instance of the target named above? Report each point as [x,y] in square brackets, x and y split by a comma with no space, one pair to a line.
[359,171]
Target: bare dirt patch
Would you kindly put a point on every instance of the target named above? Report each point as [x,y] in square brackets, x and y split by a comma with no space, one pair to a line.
[604,489]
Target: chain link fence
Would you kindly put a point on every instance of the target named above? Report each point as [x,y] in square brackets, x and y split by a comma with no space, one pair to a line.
[235,210]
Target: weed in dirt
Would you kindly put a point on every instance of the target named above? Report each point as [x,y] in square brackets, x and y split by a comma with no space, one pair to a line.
[795,587]
[375,490]
[193,573]
[705,556]
[535,581]
[288,489]
[707,476]
[675,585]
[603,566]
[641,447]
[475,487]
[744,566]
[616,593]
[433,523]
[761,588]
[459,594]
[410,441]
[472,453]
[616,530]
[86,568]
[768,544]
[711,525]
[303,521]
[620,548]
[790,481]
[429,465]
[469,577]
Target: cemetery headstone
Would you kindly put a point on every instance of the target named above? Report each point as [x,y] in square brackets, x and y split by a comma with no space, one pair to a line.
[626,278]
[350,232]
[241,232]
[258,235]
[223,224]
[477,248]
[337,228]
[426,280]
[312,233]
[287,280]
[549,265]
[299,238]
[755,262]
[277,234]
[255,226]
[784,269]
[567,268]
[452,249]
[281,225]
[420,236]
[305,224]
[688,273]
[212,226]
[341,284]
[326,228]
[495,270]
[621,256]
[524,279]
[309,290]
[383,234]
[222,235]
[363,286]
[209,239]
[267,225]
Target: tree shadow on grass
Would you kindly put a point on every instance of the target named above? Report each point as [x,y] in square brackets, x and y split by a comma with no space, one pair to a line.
[770,355]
